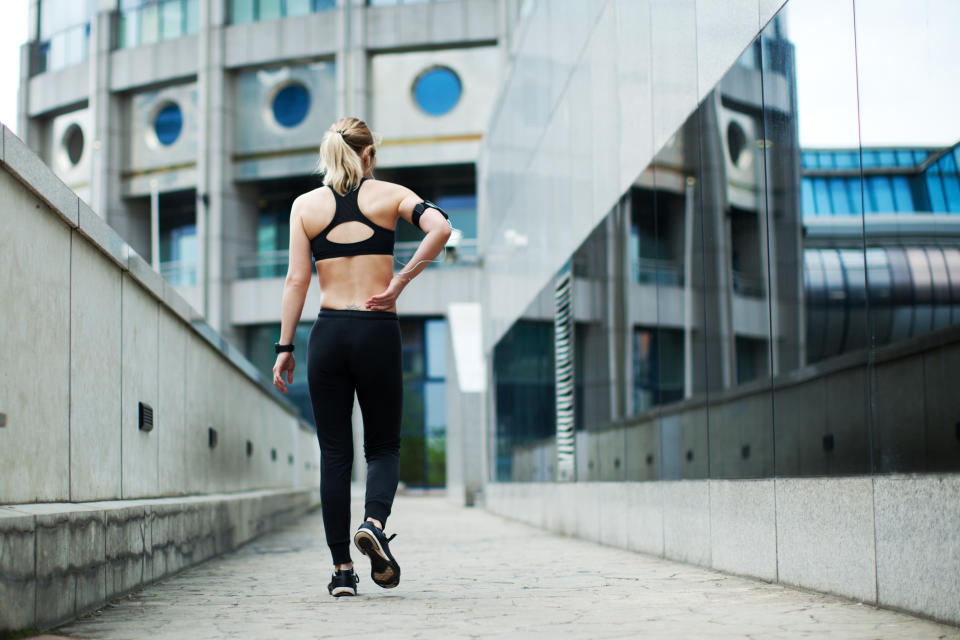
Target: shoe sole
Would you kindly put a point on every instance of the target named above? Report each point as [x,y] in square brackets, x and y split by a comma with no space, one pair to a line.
[383,572]
[343,591]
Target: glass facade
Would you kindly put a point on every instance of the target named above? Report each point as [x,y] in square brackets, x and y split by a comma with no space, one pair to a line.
[148,21]
[777,294]
[64,33]
[178,238]
[894,181]
[243,11]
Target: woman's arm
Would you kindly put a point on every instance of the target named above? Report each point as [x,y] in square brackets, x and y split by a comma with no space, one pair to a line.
[437,230]
[295,286]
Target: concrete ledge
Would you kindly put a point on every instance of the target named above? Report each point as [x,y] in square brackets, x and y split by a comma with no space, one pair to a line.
[889,540]
[61,560]
[22,162]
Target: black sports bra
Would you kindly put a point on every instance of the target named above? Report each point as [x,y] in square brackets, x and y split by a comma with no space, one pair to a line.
[380,243]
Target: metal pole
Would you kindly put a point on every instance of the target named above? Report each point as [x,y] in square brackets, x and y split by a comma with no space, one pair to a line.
[155,225]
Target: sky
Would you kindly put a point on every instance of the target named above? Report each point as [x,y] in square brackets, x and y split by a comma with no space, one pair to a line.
[908,80]
[13,33]
[908,91]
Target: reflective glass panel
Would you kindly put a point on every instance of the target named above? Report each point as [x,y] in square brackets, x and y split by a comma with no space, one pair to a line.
[818,304]
[906,58]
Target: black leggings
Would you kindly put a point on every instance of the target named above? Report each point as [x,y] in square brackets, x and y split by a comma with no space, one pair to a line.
[355,351]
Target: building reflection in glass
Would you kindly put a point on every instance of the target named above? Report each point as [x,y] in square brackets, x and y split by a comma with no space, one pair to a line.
[779,292]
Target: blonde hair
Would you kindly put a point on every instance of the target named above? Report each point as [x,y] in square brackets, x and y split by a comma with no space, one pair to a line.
[341,150]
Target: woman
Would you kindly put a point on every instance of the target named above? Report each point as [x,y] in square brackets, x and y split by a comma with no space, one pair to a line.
[354,345]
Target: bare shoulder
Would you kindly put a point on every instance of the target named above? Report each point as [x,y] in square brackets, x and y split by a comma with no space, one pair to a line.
[313,202]
[380,198]
[388,190]
[314,209]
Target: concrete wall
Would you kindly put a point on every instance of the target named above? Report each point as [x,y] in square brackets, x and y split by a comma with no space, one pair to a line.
[888,541]
[89,331]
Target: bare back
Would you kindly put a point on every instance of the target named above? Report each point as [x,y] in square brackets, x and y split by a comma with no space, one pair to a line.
[347,282]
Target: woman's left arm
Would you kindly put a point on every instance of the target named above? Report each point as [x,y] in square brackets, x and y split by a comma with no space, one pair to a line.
[295,286]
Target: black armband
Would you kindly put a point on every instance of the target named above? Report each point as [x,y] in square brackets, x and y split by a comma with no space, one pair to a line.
[423,206]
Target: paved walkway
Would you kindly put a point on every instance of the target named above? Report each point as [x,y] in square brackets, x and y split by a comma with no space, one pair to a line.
[482,577]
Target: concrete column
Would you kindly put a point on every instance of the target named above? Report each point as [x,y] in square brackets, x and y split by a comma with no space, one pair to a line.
[226,212]
[353,97]
[617,338]
[345,12]
[101,122]
[22,125]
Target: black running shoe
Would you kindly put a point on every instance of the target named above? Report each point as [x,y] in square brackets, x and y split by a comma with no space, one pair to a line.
[372,543]
[343,583]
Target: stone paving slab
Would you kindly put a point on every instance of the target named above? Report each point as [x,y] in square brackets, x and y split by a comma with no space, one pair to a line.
[470,574]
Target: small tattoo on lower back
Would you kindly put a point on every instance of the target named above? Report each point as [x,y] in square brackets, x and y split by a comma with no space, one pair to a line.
[353,307]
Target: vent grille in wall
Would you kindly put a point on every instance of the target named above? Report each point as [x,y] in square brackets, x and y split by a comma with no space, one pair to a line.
[146,417]
[563,357]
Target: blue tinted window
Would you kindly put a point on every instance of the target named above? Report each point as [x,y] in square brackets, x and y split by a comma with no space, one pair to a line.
[882,194]
[901,194]
[291,104]
[168,124]
[919,156]
[821,196]
[951,186]
[905,158]
[463,213]
[935,189]
[869,159]
[826,160]
[847,160]
[808,208]
[947,163]
[856,197]
[887,158]
[436,338]
[838,194]
[809,160]
[437,91]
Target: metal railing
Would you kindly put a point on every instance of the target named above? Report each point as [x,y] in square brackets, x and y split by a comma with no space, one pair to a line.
[660,272]
[748,286]
[273,264]
[179,273]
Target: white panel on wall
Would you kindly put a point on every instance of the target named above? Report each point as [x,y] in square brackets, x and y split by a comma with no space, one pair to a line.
[156,144]
[396,115]
[70,148]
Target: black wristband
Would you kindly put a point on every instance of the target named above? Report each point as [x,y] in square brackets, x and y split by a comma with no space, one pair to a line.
[280,348]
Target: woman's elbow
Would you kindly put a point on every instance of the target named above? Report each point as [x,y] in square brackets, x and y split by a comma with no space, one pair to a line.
[444,233]
[296,282]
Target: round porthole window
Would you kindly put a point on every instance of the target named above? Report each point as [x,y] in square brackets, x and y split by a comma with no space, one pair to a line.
[73,143]
[168,124]
[291,105]
[437,90]
[736,141]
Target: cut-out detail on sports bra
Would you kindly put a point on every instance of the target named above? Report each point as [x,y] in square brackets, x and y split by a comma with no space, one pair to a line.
[380,242]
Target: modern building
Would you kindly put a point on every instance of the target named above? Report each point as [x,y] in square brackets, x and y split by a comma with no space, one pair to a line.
[191,125]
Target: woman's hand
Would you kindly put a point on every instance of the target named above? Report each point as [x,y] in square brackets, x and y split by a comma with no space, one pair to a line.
[386,300]
[285,362]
